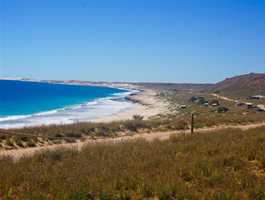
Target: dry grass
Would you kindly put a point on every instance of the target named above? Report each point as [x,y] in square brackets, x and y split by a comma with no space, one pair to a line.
[227,164]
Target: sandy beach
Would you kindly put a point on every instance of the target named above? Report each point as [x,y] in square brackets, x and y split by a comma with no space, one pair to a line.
[145,103]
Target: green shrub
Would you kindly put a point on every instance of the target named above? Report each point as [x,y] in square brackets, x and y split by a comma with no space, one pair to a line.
[31,143]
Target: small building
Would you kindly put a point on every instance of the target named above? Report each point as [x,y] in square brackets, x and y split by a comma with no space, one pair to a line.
[206,104]
[260,108]
[214,103]
[183,106]
[250,105]
[257,97]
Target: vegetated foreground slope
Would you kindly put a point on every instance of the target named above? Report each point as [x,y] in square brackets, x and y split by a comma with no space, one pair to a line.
[227,164]
[248,84]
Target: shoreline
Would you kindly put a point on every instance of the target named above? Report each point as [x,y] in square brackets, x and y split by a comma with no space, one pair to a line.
[145,103]
[140,101]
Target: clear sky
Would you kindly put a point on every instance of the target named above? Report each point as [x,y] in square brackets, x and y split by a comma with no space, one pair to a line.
[132,40]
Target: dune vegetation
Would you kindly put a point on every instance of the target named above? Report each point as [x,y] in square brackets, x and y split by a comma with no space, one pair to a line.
[56,134]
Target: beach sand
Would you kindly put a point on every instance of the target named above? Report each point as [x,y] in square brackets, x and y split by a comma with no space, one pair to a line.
[145,103]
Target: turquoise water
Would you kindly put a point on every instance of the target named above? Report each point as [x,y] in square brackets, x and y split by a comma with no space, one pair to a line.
[25,98]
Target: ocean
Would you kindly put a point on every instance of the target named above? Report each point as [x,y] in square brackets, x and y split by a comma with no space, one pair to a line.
[25,103]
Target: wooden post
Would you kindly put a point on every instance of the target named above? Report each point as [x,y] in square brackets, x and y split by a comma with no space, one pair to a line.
[192,123]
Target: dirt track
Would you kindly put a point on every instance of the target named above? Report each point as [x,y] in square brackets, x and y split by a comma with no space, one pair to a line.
[18,153]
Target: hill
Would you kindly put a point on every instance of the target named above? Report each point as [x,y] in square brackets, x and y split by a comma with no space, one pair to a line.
[243,85]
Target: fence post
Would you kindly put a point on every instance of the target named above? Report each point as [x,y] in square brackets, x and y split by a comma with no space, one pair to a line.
[192,123]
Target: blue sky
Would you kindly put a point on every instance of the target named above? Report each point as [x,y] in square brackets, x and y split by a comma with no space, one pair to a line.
[132,40]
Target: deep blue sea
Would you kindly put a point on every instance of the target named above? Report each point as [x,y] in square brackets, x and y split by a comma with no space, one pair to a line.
[36,103]
[21,97]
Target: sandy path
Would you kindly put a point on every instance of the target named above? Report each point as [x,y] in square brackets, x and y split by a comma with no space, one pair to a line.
[223,97]
[19,153]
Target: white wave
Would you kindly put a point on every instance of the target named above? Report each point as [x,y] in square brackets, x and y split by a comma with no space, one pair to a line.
[46,113]
[16,117]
